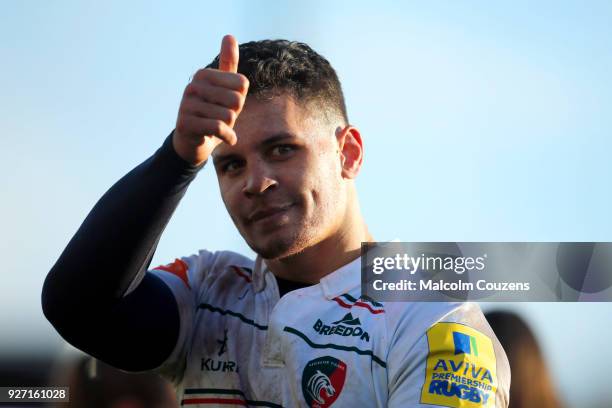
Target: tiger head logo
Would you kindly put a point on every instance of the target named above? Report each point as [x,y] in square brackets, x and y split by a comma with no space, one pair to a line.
[317,383]
[322,381]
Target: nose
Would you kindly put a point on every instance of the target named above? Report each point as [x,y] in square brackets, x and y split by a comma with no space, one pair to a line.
[258,180]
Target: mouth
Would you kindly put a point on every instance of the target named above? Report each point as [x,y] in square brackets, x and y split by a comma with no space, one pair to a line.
[267,213]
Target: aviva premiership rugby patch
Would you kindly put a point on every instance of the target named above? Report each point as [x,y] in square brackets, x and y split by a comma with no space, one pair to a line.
[322,381]
[461,368]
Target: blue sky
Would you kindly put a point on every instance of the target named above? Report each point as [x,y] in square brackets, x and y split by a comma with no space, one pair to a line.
[481,121]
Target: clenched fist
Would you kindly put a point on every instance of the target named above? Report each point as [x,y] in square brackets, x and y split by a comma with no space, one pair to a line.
[211,103]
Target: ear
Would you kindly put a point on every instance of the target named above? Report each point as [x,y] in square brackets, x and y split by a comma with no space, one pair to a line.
[350,148]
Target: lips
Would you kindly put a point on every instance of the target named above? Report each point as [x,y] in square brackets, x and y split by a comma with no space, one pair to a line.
[265,212]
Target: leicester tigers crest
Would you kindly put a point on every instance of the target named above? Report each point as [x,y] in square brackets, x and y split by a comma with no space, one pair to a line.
[322,381]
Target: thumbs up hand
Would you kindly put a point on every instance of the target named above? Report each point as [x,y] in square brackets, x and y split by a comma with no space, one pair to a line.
[210,105]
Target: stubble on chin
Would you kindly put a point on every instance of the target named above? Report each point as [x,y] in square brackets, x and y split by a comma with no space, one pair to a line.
[278,247]
[291,240]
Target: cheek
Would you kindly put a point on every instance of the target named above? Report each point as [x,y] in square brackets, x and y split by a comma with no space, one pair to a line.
[228,195]
[327,189]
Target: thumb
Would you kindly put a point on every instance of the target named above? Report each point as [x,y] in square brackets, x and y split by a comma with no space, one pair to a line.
[228,58]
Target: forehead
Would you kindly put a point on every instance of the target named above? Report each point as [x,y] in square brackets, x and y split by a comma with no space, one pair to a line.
[264,119]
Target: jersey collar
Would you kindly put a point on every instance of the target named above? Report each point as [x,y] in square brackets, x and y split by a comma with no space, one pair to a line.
[341,281]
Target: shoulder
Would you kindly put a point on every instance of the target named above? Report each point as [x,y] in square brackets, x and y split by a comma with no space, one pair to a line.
[417,317]
[206,265]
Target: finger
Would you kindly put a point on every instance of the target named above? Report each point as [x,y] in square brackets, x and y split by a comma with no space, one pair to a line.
[195,126]
[216,95]
[194,106]
[228,58]
[237,82]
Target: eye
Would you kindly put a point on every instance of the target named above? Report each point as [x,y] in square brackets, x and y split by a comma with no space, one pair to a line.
[282,150]
[230,166]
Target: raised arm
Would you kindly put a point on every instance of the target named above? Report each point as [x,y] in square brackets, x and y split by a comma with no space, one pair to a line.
[84,295]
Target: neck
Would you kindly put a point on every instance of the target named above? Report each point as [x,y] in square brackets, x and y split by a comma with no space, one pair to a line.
[323,258]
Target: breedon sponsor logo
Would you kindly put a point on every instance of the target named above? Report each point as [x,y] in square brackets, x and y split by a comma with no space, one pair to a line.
[347,326]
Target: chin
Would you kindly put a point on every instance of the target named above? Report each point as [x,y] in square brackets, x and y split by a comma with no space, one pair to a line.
[276,249]
[278,246]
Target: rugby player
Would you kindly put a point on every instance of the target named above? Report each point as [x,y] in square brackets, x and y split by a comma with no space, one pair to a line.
[290,328]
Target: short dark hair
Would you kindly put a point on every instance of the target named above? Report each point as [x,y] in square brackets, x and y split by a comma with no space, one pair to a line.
[278,66]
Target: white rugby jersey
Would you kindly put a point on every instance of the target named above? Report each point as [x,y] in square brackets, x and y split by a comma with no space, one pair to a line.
[322,345]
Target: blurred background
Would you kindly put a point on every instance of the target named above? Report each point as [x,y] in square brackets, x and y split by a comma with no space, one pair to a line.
[482,121]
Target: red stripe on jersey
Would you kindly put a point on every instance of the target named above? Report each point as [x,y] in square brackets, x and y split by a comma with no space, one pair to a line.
[341,303]
[177,268]
[359,304]
[223,401]
[374,311]
[239,271]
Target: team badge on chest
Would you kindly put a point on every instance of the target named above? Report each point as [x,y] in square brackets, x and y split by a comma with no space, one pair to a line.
[322,381]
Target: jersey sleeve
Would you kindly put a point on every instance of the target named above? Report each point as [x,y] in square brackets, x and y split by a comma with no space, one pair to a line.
[191,279]
[185,277]
[456,362]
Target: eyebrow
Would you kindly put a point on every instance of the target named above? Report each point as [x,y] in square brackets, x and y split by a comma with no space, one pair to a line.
[278,137]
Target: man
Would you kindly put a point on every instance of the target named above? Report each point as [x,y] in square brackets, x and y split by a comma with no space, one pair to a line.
[290,328]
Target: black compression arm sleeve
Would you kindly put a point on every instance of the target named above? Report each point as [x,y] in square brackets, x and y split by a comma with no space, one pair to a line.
[83,295]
